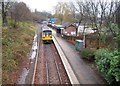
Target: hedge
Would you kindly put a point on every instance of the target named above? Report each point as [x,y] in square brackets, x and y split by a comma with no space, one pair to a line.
[108,63]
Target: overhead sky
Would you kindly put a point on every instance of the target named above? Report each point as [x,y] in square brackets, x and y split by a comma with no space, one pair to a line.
[43,5]
[46,5]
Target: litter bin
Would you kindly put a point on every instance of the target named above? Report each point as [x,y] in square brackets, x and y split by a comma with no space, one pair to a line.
[79,45]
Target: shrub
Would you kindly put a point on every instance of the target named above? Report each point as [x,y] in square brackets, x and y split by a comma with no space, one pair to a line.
[108,63]
[99,53]
[102,59]
[87,53]
[117,38]
[115,66]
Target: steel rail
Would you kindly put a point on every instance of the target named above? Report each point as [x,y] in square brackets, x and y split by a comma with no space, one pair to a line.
[47,70]
[57,67]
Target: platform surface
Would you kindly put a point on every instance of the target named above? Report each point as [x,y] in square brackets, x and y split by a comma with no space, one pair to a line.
[84,73]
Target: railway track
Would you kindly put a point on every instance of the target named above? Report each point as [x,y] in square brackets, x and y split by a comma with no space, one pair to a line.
[53,76]
[49,68]
[46,65]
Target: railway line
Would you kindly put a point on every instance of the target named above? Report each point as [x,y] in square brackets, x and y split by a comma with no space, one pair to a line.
[55,68]
[51,65]
[49,68]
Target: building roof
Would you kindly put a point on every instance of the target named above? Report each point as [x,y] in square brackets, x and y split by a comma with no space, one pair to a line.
[67,24]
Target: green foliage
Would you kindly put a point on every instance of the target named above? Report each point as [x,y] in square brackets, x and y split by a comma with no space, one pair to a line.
[16,44]
[102,57]
[12,24]
[114,27]
[87,53]
[115,65]
[117,38]
[108,63]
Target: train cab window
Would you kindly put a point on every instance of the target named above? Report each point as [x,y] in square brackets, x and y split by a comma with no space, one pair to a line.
[47,33]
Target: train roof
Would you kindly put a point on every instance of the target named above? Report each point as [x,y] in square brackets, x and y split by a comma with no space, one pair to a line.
[46,28]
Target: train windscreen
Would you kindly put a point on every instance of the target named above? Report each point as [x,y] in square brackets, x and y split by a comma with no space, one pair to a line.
[47,33]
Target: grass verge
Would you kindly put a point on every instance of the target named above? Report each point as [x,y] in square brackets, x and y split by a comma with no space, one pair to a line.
[16,45]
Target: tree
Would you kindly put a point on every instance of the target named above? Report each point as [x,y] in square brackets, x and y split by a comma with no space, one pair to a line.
[20,12]
[72,12]
[63,12]
[102,16]
[41,16]
[80,12]
[6,5]
[109,16]
[118,15]
[118,23]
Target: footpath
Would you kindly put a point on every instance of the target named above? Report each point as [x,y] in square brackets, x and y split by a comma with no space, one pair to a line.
[83,72]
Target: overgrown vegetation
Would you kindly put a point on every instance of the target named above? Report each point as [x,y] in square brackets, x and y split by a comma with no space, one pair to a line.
[108,63]
[16,44]
[87,53]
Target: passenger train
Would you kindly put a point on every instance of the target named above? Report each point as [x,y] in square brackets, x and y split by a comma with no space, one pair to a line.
[47,34]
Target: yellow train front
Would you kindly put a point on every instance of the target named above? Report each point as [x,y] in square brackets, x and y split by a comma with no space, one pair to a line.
[47,36]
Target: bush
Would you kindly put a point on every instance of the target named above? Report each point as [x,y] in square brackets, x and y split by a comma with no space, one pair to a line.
[108,63]
[102,59]
[115,66]
[87,53]
[117,38]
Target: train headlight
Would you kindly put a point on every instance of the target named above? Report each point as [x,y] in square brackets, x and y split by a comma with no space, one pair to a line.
[50,36]
[43,36]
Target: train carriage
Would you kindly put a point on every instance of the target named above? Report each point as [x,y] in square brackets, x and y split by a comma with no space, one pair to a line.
[47,35]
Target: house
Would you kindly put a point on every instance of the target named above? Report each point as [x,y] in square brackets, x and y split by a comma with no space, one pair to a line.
[70,30]
[85,29]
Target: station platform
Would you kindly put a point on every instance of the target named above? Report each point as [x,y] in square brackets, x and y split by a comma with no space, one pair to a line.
[83,72]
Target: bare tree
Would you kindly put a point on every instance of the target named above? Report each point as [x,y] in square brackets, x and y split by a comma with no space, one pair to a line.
[6,5]
[63,12]
[109,16]
[41,16]
[118,14]
[72,11]
[20,12]
[80,12]
[59,11]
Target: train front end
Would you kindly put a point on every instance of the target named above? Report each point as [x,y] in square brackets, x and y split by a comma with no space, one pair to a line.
[47,36]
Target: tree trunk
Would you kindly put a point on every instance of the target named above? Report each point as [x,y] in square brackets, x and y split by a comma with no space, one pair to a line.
[83,34]
[4,20]
[78,27]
